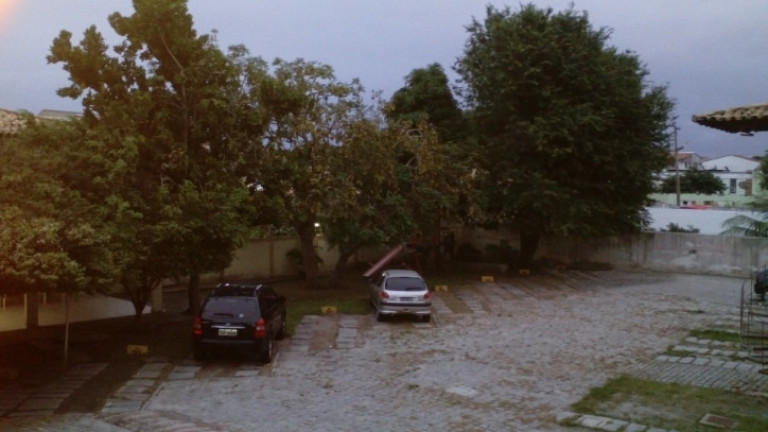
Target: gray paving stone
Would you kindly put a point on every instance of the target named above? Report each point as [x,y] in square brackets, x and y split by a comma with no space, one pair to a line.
[247,373]
[615,425]
[31,413]
[528,359]
[181,375]
[39,404]
[634,427]
[124,396]
[140,382]
[151,370]
[121,406]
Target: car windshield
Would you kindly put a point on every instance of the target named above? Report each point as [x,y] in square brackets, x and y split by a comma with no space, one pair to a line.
[234,308]
[405,284]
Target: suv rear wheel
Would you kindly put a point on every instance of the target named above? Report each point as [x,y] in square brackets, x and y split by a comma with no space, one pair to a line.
[269,350]
[198,354]
[281,333]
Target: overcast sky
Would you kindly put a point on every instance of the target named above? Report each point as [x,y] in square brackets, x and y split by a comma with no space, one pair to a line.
[712,54]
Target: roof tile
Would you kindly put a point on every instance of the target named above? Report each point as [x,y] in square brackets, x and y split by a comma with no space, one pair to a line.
[745,119]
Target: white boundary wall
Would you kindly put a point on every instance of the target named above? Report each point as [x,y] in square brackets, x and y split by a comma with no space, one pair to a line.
[663,251]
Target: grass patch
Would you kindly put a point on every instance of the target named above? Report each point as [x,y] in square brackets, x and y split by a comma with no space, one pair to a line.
[672,406]
[716,335]
[454,281]
[679,353]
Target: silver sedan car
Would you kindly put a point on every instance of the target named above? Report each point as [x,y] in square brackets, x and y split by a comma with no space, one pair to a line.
[397,292]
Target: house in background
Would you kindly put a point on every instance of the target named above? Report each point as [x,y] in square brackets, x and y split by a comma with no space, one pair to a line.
[685,161]
[737,173]
[740,175]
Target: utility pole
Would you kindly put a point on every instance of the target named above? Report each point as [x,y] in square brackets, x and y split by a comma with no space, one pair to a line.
[677,164]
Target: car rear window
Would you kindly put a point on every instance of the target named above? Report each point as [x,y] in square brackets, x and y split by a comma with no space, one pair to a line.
[235,308]
[405,284]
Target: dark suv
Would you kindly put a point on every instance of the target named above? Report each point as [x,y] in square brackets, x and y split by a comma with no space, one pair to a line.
[240,316]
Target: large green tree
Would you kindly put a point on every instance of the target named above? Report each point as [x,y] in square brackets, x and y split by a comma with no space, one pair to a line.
[55,229]
[570,130]
[366,208]
[392,182]
[173,109]
[310,116]
[427,99]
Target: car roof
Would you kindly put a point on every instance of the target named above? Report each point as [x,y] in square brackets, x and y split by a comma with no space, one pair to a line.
[401,273]
[231,290]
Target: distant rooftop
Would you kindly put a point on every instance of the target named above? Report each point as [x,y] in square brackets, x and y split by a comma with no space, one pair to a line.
[12,121]
[57,114]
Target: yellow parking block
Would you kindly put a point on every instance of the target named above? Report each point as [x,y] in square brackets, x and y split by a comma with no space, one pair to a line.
[486,279]
[328,310]
[137,349]
[439,288]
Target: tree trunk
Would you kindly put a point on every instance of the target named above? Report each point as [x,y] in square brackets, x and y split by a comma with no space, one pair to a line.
[138,308]
[529,243]
[139,295]
[33,309]
[341,263]
[193,294]
[306,234]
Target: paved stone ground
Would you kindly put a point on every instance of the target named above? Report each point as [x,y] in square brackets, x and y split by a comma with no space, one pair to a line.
[496,357]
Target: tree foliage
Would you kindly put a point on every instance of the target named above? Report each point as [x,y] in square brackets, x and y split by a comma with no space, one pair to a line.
[55,230]
[169,108]
[427,99]
[694,181]
[310,115]
[570,131]
[762,169]
[427,96]
[390,186]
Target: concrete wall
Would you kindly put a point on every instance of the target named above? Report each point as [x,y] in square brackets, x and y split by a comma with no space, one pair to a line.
[673,252]
[661,251]
[706,221]
[267,258]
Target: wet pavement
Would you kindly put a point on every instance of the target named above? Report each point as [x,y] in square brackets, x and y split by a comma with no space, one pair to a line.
[496,357]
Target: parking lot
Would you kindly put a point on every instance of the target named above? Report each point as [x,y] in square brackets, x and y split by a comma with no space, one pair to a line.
[498,356]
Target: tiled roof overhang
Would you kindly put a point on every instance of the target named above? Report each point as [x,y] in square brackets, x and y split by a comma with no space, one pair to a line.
[744,119]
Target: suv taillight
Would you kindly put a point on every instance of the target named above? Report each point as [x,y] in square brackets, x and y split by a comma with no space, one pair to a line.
[383,294]
[261,328]
[428,295]
[197,326]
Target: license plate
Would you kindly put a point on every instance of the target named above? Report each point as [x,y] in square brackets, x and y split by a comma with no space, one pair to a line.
[227,332]
[407,299]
